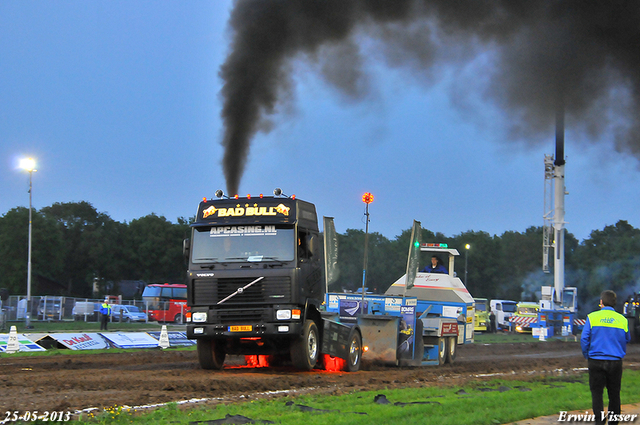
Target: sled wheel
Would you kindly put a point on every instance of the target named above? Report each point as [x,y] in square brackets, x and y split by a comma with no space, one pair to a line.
[452,349]
[442,351]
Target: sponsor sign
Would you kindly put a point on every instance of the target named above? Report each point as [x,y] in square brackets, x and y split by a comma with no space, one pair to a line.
[351,309]
[131,339]
[451,311]
[80,341]
[449,329]
[246,210]
[539,332]
[257,230]
[377,302]
[175,338]
[392,304]
[25,343]
[406,339]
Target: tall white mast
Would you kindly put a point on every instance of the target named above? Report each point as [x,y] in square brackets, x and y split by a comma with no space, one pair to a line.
[558,214]
[554,215]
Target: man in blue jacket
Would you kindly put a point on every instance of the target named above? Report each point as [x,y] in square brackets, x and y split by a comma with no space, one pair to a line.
[105,313]
[604,344]
[435,266]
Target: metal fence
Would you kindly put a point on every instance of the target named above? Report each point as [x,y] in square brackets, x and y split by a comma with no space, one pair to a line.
[55,308]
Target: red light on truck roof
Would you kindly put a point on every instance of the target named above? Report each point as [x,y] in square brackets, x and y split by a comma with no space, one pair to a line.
[248,196]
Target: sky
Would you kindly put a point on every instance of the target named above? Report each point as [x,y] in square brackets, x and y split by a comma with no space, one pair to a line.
[119,103]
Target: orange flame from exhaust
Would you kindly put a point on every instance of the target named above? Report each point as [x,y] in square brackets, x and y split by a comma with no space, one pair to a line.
[333,364]
[257,361]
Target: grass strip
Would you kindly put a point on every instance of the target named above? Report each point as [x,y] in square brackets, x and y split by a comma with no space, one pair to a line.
[481,402]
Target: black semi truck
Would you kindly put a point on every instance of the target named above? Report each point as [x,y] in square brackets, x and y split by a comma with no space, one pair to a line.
[256,283]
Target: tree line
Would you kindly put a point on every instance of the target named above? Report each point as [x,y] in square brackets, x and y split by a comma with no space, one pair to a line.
[75,248]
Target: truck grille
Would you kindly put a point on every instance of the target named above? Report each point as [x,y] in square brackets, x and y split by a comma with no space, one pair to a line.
[270,290]
[239,316]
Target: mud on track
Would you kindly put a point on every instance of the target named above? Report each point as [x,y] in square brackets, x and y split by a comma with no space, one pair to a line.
[76,382]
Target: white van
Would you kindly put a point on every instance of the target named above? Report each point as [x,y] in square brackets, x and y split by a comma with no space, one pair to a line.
[503,310]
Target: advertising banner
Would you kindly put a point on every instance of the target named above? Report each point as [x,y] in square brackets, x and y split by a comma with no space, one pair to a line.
[25,343]
[351,309]
[175,338]
[76,341]
[407,332]
[131,339]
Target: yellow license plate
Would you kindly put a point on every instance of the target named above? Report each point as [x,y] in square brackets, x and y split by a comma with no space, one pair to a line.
[243,328]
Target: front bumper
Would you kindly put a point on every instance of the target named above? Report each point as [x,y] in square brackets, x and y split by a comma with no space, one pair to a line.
[257,330]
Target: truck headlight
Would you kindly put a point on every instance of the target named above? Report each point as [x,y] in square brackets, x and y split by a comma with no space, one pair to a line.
[199,317]
[283,314]
[288,314]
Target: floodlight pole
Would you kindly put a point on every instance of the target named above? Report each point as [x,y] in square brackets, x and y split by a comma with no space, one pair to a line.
[28,164]
[467,246]
[27,321]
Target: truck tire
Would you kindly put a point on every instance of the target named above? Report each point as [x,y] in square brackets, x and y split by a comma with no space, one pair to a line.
[305,350]
[452,349]
[210,354]
[442,351]
[178,319]
[355,352]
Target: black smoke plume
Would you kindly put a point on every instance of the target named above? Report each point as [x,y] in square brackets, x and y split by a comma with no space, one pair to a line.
[586,52]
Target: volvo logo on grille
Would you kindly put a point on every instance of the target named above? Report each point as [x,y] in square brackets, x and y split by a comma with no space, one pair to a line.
[240,290]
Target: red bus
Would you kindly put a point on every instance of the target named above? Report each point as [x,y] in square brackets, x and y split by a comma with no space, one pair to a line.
[166,302]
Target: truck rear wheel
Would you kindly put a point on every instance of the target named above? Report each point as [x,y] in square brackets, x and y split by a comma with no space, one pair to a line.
[452,349]
[442,350]
[305,349]
[355,352]
[211,354]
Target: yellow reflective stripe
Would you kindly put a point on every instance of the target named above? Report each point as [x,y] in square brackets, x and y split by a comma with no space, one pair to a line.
[608,319]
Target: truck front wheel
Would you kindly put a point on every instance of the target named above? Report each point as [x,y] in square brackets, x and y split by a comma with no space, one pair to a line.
[305,349]
[211,354]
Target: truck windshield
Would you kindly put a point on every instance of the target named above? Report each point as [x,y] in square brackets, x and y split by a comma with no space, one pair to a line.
[509,308]
[151,291]
[222,244]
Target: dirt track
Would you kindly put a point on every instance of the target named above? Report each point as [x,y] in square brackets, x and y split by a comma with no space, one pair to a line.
[76,382]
